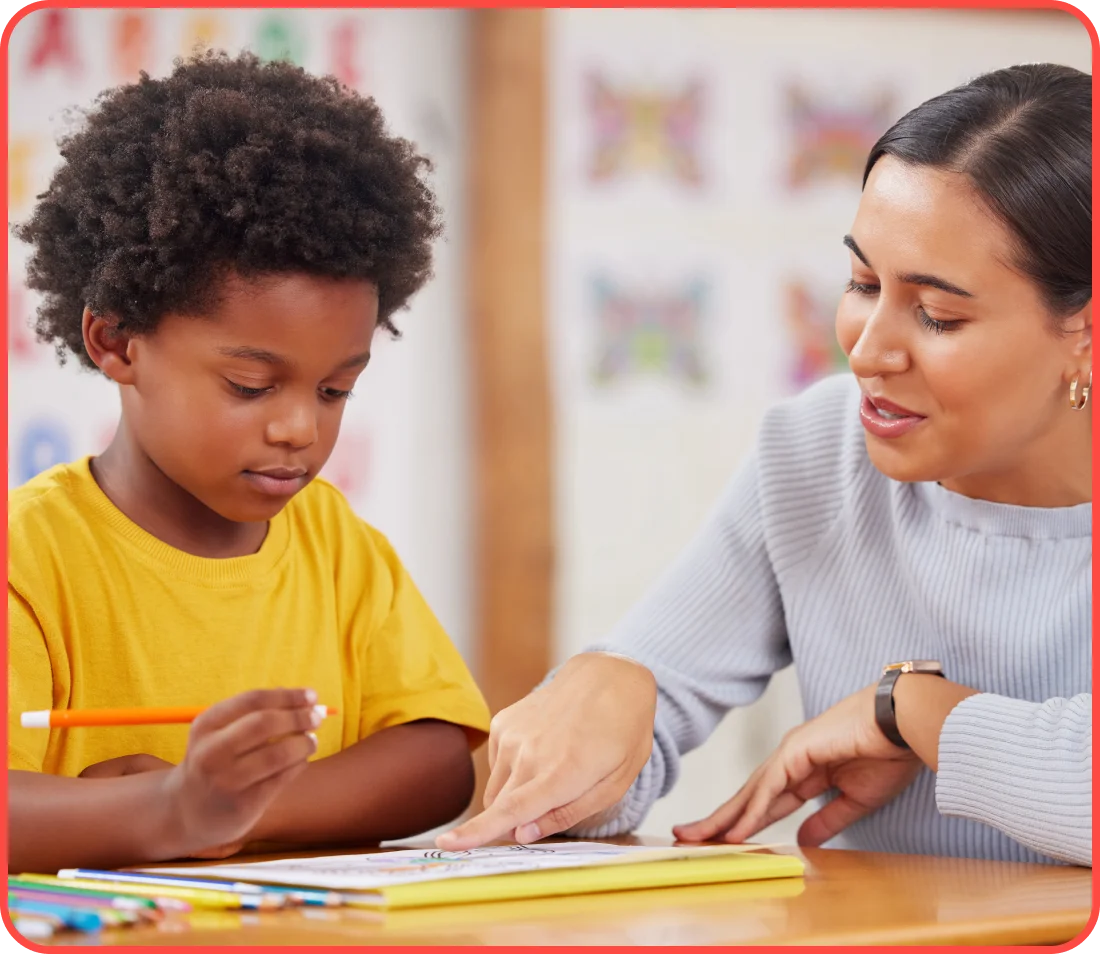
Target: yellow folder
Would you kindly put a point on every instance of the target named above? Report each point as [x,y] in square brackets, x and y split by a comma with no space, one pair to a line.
[711,869]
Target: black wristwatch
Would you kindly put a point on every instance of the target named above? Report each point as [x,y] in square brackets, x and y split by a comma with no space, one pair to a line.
[884,695]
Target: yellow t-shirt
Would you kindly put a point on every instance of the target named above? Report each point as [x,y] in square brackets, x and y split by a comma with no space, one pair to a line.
[101,613]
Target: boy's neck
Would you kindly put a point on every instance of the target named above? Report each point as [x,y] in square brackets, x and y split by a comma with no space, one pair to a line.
[157,504]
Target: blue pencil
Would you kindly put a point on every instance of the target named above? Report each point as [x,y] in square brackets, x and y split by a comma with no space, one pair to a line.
[300,895]
[80,920]
[148,877]
[311,896]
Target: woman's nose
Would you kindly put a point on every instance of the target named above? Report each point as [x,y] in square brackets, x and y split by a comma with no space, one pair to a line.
[879,348]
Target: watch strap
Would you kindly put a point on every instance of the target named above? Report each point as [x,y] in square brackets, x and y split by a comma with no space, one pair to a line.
[884,708]
[885,715]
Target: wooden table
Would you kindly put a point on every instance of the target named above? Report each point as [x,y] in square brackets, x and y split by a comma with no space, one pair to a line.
[847,897]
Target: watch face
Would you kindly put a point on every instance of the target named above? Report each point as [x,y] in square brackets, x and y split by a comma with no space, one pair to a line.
[915,665]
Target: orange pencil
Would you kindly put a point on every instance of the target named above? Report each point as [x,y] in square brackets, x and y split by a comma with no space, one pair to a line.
[72,718]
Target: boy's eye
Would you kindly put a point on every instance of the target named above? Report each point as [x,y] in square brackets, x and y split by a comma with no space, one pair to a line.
[246,392]
[335,394]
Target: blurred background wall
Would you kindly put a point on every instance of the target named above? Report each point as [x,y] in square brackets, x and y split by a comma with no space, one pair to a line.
[644,212]
[403,454]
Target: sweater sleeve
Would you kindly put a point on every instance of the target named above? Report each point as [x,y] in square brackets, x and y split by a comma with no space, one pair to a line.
[712,634]
[1024,768]
[713,630]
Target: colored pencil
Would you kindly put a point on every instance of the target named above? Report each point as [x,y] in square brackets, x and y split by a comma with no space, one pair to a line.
[93,887]
[76,718]
[77,918]
[33,928]
[152,878]
[197,898]
[309,896]
[105,896]
[107,905]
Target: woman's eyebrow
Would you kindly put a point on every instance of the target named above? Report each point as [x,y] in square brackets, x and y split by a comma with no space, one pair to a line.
[851,243]
[933,282]
[912,278]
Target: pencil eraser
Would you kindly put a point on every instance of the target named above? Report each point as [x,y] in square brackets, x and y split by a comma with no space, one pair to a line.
[35,720]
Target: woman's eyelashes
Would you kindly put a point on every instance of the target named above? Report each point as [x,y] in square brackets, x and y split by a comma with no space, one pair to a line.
[934,324]
[939,326]
[860,288]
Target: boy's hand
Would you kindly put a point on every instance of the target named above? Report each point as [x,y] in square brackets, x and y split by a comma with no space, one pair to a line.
[241,753]
[142,762]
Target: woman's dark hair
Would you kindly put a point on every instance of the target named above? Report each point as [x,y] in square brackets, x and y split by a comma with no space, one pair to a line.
[1023,136]
[226,164]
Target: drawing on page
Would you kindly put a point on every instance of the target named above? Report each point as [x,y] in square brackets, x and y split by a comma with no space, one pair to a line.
[407,866]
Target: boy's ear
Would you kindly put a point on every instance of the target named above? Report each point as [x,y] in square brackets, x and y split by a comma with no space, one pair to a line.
[107,346]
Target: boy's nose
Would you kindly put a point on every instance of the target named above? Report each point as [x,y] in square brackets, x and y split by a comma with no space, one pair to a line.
[297,427]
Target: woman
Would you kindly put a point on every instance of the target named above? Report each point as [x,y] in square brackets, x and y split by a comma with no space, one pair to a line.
[935,505]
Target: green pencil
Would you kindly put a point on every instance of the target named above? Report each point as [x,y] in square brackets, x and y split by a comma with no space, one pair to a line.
[124,900]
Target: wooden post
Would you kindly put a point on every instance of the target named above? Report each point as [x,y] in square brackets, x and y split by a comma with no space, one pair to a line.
[512,416]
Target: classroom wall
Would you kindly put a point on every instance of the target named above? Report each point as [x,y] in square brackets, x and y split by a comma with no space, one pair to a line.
[704,166]
[403,454]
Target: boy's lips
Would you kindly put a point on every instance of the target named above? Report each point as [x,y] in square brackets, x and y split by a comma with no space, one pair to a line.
[280,473]
[278,481]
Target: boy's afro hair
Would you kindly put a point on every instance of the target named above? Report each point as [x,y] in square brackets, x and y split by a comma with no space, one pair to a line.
[226,164]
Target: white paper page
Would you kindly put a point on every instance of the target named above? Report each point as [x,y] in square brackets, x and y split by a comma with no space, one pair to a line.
[384,869]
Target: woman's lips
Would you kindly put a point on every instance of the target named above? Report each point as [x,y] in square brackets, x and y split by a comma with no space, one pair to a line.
[883,418]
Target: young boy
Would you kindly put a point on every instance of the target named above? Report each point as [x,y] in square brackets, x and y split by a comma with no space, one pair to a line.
[222,244]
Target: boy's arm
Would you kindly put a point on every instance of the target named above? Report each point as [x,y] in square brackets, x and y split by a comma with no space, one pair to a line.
[242,752]
[401,781]
[56,822]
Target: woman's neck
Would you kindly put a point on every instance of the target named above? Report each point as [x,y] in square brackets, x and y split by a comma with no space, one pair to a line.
[161,507]
[1055,472]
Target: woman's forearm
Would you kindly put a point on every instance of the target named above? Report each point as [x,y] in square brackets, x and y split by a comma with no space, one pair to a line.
[56,822]
[922,704]
[398,782]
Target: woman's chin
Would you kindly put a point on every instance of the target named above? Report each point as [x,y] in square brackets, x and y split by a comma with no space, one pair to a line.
[904,464]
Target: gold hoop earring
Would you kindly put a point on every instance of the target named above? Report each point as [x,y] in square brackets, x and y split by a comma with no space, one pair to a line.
[1076,403]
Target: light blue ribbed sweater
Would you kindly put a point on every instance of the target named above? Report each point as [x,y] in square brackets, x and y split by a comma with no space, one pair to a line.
[814,556]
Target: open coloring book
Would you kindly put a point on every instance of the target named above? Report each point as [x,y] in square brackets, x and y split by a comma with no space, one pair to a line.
[381,870]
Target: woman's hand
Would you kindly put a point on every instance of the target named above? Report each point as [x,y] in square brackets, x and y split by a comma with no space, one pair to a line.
[842,749]
[565,752]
